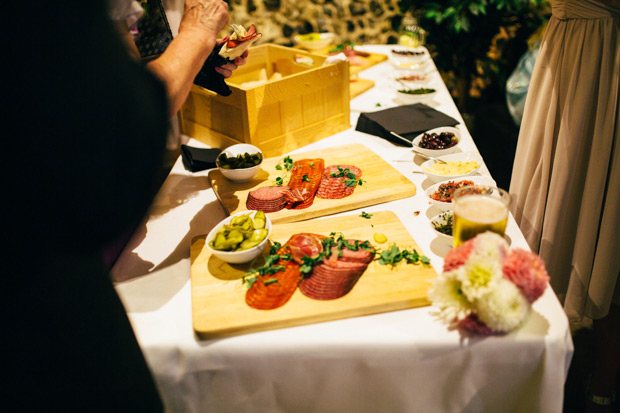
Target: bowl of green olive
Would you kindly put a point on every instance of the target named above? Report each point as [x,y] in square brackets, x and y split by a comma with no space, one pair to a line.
[240,238]
[416,95]
[240,163]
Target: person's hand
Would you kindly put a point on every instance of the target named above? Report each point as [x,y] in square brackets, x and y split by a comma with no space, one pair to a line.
[227,69]
[206,17]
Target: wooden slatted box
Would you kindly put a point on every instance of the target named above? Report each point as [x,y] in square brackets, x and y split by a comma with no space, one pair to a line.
[307,104]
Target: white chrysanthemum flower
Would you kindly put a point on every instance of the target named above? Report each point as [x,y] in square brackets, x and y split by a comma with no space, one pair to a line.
[446,294]
[503,308]
[479,274]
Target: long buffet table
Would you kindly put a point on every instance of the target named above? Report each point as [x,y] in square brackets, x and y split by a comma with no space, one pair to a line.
[397,361]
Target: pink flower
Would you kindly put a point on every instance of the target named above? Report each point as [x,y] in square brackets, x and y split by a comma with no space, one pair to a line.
[457,256]
[475,325]
[527,271]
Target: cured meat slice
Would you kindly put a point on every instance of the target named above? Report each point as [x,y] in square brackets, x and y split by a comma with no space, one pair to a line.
[305,245]
[267,198]
[265,294]
[334,180]
[305,179]
[329,282]
[336,276]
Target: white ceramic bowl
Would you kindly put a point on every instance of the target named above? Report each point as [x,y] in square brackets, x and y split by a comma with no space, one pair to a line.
[409,99]
[324,40]
[447,206]
[238,257]
[453,157]
[442,219]
[411,78]
[412,61]
[244,174]
[437,152]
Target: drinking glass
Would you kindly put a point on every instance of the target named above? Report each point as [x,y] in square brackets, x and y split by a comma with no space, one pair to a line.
[477,209]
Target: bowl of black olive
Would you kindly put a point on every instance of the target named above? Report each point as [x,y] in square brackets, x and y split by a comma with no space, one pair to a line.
[240,163]
[438,141]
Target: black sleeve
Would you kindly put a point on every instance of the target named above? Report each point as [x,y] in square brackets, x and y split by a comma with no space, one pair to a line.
[90,126]
[84,134]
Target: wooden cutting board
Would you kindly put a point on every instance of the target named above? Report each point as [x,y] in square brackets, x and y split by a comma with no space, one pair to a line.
[369,61]
[218,295]
[382,183]
[357,86]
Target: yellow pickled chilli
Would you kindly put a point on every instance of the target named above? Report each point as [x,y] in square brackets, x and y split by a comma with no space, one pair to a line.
[243,232]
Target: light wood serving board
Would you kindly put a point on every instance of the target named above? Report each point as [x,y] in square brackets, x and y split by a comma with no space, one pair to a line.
[369,61]
[357,86]
[218,295]
[382,184]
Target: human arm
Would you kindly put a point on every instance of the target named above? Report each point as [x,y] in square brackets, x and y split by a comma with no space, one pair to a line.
[179,64]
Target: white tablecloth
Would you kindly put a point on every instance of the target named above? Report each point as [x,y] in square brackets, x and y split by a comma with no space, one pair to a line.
[401,361]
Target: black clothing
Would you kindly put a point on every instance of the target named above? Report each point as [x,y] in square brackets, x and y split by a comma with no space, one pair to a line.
[86,135]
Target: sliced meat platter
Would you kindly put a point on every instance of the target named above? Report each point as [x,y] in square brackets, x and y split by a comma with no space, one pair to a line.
[324,268]
[309,178]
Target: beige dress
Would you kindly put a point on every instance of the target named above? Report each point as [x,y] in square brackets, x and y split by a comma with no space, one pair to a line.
[566,175]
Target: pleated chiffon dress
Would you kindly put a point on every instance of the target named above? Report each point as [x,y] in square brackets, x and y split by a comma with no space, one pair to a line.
[566,176]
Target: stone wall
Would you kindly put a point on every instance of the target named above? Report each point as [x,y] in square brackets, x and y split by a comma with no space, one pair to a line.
[352,21]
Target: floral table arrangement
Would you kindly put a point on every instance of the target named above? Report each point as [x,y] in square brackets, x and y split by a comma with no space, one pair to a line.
[487,288]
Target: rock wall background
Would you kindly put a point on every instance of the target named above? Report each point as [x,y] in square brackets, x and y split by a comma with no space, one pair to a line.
[354,21]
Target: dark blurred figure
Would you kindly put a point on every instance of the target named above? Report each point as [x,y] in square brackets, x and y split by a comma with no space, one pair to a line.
[85,131]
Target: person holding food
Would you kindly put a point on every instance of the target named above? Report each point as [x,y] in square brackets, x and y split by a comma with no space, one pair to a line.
[88,124]
[179,64]
[181,61]
[566,174]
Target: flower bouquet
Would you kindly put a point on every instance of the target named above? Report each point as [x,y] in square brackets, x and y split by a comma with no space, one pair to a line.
[487,288]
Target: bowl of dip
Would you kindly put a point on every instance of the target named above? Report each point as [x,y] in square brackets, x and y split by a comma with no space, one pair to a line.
[440,194]
[457,165]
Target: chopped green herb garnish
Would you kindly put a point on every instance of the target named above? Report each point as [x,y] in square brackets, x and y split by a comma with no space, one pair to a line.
[394,255]
[305,178]
[288,163]
[351,178]
[366,215]
[285,165]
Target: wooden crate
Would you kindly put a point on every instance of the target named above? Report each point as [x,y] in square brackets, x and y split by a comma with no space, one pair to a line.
[307,104]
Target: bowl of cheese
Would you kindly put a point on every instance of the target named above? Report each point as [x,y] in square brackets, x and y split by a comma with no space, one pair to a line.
[457,165]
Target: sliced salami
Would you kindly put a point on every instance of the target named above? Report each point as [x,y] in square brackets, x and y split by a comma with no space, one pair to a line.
[267,198]
[336,276]
[338,181]
[330,282]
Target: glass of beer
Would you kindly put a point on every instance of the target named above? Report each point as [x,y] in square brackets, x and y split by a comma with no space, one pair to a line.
[477,209]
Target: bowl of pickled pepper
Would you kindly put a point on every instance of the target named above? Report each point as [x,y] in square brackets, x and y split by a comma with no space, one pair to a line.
[240,238]
[240,163]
